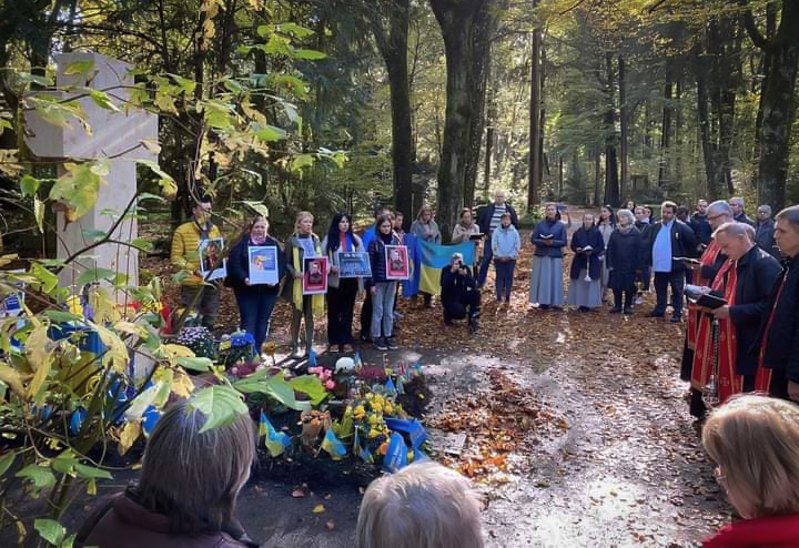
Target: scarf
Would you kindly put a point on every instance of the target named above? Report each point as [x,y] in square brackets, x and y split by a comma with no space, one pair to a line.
[708,258]
[317,301]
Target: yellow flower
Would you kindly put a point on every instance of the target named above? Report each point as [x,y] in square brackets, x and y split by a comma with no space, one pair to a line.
[373,433]
[269,348]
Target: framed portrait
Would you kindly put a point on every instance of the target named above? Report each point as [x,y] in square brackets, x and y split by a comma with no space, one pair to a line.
[211,260]
[13,303]
[263,264]
[314,275]
[397,264]
[353,264]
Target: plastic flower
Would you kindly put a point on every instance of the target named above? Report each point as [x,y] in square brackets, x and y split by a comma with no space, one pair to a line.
[269,348]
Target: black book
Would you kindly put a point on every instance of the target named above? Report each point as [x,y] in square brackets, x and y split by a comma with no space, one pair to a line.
[706,300]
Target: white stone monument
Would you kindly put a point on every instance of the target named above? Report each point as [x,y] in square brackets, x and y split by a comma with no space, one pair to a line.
[116,135]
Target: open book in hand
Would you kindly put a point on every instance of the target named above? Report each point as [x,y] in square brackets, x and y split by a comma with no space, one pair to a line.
[687,260]
[699,296]
[546,236]
[585,249]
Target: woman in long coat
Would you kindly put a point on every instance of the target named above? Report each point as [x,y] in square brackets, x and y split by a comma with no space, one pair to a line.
[624,258]
[549,239]
[606,223]
[586,268]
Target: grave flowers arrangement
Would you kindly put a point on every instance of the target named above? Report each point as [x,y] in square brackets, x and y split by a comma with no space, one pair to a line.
[238,347]
[199,340]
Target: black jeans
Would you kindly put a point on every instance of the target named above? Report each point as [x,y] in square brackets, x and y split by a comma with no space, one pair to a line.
[340,302]
[629,295]
[677,282]
[468,305]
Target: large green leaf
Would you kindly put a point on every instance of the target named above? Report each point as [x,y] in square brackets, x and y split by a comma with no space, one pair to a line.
[50,530]
[80,185]
[6,461]
[220,405]
[29,185]
[94,275]
[41,477]
[271,134]
[308,54]
[311,386]
[48,280]
[196,364]
[79,67]
[92,472]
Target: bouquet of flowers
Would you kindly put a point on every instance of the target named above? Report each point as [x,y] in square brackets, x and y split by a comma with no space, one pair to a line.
[236,348]
[199,340]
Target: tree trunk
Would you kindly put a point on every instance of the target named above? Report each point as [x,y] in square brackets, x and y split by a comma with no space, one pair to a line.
[485,23]
[611,139]
[777,104]
[491,117]
[390,28]
[597,177]
[708,153]
[664,176]
[458,20]
[624,119]
[534,160]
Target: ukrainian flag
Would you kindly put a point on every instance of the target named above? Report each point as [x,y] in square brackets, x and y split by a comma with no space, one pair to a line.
[434,257]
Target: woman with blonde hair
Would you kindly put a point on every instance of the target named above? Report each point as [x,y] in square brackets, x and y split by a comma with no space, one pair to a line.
[186,496]
[754,441]
[426,230]
[424,505]
[302,244]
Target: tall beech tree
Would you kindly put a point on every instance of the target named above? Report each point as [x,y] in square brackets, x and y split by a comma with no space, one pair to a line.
[390,20]
[462,26]
[777,101]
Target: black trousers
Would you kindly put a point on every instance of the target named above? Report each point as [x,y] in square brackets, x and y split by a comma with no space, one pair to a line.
[468,305]
[340,304]
[677,282]
[779,384]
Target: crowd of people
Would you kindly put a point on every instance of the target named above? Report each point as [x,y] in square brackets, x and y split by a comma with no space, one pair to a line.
[749,342]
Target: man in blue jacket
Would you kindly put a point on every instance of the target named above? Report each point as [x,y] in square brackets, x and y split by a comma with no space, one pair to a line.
[488,220]
[668,239]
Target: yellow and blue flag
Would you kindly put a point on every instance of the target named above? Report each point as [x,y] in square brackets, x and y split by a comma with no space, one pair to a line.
[276,442]
[434,257]
[333,445]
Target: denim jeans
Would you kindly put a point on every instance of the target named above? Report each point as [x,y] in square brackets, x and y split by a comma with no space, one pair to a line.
[383,309]
[504,281]
[255,310]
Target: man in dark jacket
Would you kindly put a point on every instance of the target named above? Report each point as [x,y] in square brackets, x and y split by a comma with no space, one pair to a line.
[737,205]
[757,272]
[489,219]
[780,340]
[764,231]
[700,224]
[459,297]
[668,239]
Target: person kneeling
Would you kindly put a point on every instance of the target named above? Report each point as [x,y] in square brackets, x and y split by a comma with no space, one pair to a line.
[424,505]
[459,294]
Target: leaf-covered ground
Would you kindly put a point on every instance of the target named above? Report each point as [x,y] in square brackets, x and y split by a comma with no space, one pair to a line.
[575,427]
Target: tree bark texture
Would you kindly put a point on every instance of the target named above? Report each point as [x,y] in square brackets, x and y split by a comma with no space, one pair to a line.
[458,22]
[534,160]
[611,139]
[390,27]
[664,175]
[624,119]
[777,102]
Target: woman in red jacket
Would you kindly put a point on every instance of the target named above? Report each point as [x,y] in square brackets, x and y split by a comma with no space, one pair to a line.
[754,440]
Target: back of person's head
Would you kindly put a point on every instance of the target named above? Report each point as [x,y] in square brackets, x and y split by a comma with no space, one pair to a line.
[424,505]
[194,477]
[755,442]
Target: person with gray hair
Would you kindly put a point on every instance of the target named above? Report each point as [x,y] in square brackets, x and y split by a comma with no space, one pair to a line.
[780,334]
[186,496]
[764,231]
[738,213]
[424,505]
[745,282]
[625,257]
